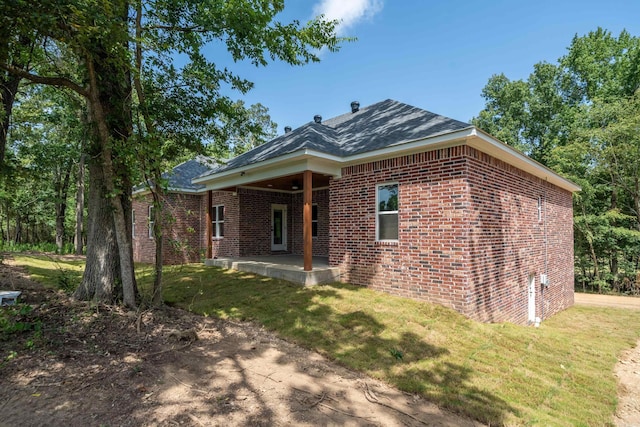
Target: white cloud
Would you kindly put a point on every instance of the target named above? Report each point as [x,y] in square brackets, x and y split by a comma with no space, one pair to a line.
[348,12]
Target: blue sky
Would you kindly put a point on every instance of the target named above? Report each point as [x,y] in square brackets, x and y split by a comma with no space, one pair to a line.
[436,55]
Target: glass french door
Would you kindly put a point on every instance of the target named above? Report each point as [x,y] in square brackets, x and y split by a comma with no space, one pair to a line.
[278,227]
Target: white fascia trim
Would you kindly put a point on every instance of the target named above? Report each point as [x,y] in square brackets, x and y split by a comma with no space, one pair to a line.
[269,163]
[288,164]
[488,144]
[185,190]
[146,190]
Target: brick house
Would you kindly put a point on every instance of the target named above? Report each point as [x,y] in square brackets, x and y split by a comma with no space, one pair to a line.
[183,213]
[404,201]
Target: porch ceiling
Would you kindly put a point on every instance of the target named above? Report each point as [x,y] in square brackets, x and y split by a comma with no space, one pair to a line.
[288,182]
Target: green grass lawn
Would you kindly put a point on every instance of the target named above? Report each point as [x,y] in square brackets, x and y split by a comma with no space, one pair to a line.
[558,374]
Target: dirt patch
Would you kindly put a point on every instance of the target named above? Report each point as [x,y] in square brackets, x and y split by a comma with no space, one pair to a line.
[628,373]
[627,369]
[96,365]
[614,301]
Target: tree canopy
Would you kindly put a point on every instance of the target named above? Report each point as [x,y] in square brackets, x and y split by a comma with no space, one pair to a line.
[150,90]
[581,117]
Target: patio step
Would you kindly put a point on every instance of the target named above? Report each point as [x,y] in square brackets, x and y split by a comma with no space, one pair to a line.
[291,273]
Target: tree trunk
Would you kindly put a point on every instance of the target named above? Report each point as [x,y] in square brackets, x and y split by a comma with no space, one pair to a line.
[8,89]
[613,263]
[158,229]
[100,281]
[108,106]
[8,223]
[77,240]
[62,191]
[18,235]
[636,200]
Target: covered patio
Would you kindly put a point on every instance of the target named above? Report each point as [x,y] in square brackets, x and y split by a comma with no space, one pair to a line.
[286,267]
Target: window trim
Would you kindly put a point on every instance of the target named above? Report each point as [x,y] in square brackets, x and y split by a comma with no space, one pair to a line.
[133,223]
[378,212]
[150,221]
[215,222]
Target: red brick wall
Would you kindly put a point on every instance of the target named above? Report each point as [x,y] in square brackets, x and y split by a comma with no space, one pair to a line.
[255,220]
[468,233]
[320,243]
[143,246]
[229,245]
[247,228]
[184,218]
[507,241]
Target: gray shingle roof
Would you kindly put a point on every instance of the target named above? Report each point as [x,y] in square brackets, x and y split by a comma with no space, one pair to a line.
[377,126]
[179,178]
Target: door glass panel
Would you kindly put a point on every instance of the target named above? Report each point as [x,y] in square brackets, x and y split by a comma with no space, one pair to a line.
[277,227]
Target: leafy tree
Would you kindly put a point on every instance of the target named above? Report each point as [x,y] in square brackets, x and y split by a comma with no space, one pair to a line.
[183,107]
[581,118]
[530,115]
[45,134]
[177,103]
[259,129]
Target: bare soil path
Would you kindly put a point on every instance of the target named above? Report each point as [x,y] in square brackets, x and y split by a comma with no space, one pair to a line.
[613,301]
[628,367]
[99,366]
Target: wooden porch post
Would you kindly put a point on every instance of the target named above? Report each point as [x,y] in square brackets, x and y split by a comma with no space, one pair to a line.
[209,226]
[306,221]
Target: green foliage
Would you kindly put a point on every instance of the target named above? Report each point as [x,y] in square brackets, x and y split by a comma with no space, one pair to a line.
[66,280]
[16,319]
[158,95]
[258,129]
[28,247]
[44,146]
[581,118]
[397,354]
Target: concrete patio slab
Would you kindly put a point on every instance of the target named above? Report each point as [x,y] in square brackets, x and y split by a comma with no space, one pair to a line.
[285,267]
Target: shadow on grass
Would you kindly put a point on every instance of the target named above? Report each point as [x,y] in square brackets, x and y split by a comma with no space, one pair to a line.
[341,322]
[52,271]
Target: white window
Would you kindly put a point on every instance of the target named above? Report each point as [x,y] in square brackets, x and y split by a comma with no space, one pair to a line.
[217,221]
[314,220]
[151,221]
[133,224]
[387,212]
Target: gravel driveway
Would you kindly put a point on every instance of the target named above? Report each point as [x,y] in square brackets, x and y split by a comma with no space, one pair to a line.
[607,301]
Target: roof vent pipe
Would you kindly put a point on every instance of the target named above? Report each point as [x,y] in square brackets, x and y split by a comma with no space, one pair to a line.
[355,106]
[317,118]
[287,129]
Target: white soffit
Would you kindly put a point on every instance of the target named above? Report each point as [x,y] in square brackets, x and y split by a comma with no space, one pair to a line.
[289,164]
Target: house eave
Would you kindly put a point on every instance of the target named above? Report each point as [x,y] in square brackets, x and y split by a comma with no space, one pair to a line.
[332,165]
[487,144]
[288,164]
[146,190]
